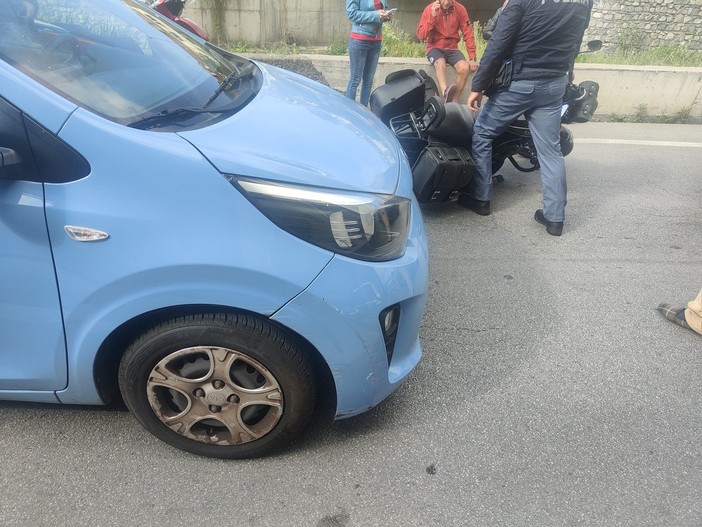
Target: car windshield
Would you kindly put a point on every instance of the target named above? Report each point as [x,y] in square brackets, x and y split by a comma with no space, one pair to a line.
[124,61]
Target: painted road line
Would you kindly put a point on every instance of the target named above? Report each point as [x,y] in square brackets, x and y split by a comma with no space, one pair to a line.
[678,144]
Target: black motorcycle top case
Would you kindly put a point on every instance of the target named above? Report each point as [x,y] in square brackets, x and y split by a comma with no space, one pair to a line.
[402,93]
[440,171]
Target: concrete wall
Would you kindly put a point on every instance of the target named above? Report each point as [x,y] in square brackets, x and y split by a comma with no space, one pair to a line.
[624,90]
[310,22]
[631,23]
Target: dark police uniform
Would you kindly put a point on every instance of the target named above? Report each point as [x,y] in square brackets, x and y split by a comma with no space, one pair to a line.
[541,38]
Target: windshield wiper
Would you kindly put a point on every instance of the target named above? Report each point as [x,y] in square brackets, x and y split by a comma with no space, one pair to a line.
[222,85]
[166,116]
[235,76]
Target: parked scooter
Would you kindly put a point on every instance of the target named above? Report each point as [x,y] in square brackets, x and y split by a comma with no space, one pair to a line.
[172,9]
[437,136]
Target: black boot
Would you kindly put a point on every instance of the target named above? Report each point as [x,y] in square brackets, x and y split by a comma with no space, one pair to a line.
[476,205]
[554,228]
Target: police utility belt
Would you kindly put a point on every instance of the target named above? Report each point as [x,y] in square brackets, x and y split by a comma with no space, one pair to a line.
[513,69]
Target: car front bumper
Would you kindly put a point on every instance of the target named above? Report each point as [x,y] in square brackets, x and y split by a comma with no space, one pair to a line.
[339,315]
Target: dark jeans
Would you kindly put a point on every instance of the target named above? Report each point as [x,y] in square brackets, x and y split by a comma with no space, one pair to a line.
[363,59]
[540,101]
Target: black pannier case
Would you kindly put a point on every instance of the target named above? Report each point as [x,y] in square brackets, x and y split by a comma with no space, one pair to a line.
[402,93]
[439,171]
[406,128]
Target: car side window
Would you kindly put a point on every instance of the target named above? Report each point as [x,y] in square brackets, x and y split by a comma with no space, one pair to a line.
[56,161]
[43,157]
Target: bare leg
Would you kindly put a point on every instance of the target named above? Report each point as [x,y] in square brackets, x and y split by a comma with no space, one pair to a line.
[462,70]
[440,68]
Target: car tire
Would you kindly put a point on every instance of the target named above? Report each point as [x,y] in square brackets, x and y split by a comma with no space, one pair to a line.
[219,385]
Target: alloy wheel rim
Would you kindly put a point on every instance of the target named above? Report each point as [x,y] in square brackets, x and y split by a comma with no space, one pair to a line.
[215,395]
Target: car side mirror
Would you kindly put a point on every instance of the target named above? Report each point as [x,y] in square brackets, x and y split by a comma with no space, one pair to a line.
[10,164]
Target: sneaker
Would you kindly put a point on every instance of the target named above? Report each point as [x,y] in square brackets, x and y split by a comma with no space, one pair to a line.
[449,92]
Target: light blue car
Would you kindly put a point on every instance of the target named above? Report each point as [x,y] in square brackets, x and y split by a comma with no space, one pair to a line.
[221,243]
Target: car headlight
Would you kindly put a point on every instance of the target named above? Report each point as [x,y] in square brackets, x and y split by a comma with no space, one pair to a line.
[365,226]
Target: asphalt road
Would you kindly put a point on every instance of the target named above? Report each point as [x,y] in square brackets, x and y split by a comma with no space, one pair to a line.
[551,393]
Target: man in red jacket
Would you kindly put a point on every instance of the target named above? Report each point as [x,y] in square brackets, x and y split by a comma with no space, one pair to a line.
[442,24]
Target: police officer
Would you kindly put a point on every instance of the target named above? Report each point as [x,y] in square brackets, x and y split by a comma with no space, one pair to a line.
[541,39]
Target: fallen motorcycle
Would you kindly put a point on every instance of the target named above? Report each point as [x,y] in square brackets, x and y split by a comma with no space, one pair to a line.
[436,136]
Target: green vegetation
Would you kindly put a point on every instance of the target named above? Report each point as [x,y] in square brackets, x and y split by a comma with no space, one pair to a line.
[217,9]
[397,43]
[657,56]
[630,50]
[641,115]
[618,118]
[278,48]
[681,116]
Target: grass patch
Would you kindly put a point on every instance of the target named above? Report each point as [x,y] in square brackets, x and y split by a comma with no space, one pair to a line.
[277,48]
[658,56]
[681,116]
[618,118]
[397,43]
[641,115]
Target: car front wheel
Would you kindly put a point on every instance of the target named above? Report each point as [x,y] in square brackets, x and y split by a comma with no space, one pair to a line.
[227,386]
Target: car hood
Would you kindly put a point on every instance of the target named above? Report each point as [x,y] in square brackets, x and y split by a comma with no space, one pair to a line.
[299,131]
